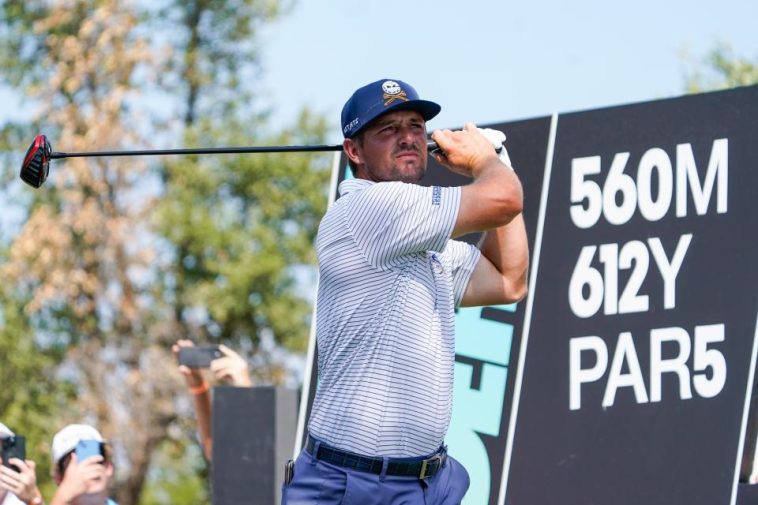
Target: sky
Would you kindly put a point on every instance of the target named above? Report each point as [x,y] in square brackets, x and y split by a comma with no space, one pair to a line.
[491,61]
[486,61]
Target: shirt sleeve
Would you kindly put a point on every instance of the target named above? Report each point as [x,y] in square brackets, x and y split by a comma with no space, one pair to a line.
[392,220]
[461,259]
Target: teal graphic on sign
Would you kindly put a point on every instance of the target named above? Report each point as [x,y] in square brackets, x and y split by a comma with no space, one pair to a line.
[483,349]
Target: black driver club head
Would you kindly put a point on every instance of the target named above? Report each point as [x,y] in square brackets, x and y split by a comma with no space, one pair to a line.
[36,164]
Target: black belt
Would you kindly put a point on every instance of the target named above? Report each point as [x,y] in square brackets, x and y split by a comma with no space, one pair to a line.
[422,469]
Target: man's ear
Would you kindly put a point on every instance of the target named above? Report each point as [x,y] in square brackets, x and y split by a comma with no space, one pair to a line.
[353,152]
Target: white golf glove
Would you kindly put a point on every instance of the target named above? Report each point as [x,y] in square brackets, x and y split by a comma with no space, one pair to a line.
[498,142]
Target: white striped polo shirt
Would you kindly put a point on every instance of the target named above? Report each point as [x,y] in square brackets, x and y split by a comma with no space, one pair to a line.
[385,317]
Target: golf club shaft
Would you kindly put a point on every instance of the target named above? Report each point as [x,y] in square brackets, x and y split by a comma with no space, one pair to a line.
[209,150]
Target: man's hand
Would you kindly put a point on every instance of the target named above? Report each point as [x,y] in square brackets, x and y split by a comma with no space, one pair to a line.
[22,483]
[193,377]
[231,368]
[87,477]
[466,151]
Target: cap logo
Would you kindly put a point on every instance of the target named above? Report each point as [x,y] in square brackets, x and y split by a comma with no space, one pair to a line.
[392,92]
[352,124]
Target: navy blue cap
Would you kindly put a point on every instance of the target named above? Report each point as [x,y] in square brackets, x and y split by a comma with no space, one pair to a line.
[377,98]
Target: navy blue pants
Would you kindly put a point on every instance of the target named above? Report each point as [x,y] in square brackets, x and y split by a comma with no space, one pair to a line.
[316,481]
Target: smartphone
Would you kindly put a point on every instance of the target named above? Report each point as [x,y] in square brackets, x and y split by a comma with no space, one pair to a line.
[289,472]
[199,356]
[88,448]
[13,447]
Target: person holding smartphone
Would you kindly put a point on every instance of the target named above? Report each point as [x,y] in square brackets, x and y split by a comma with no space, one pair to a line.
[18,478]
[82,467]
[229,368]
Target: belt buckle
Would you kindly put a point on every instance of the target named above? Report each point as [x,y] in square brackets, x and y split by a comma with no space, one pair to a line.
[425,465]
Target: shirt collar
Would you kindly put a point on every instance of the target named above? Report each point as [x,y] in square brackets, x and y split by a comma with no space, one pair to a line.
[349,185]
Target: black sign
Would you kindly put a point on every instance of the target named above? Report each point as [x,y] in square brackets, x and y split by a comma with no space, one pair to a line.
[643,326]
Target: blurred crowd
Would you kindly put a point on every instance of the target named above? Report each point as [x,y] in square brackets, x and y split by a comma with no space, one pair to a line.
[82,465]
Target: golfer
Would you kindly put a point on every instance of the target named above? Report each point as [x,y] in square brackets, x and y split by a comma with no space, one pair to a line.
[391,275]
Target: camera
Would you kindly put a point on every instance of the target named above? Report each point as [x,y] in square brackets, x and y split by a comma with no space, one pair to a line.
[199,356]
[13,447]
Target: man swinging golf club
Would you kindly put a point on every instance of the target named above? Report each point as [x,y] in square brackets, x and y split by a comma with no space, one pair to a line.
[390,277]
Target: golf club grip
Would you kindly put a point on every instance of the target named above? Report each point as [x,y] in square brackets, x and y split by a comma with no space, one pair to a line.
[210,150]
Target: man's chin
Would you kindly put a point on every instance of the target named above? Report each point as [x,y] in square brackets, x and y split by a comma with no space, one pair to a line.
[97,489]
[411,174]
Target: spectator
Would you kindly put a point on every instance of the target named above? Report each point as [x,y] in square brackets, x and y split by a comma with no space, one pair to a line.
[80,482]
[231,369]
[18,487]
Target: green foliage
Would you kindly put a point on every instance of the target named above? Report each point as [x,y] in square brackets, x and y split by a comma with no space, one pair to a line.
[31,397]
[100,278]
[110,264]
[241,225]
[215,53]
[178,476]
[721,69]
[17,18]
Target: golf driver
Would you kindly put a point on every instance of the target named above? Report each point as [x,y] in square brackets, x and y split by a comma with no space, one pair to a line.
[36,165]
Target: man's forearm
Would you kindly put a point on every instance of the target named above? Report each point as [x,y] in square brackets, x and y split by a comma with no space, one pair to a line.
[507,248]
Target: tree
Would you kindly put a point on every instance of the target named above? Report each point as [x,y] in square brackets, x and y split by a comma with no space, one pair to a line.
[117,258]
[75,259]
[721,69]
[31,395]
[237,227]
